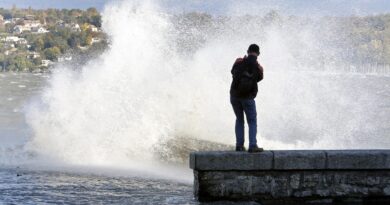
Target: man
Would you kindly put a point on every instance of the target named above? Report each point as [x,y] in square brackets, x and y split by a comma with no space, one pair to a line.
[247,72]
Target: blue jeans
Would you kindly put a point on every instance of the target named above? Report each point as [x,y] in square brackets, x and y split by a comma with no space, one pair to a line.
[249,107]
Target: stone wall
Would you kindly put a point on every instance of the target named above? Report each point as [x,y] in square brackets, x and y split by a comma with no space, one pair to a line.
[293,177]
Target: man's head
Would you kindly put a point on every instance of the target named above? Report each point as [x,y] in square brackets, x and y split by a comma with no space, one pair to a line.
[253,50]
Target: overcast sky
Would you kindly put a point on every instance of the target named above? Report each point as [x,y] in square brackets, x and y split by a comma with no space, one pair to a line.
[323,7]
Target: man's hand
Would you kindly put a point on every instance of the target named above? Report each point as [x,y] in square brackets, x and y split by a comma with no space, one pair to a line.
[261,70]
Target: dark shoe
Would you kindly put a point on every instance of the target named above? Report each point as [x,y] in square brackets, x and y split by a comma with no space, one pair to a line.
[240,149]
[255,149]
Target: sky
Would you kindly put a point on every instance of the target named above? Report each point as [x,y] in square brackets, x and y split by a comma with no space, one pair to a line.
[309,7]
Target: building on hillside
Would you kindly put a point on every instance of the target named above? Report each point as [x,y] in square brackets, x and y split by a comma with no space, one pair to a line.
[22,41]
[75,27]
[64,58]
[20,29]
[11,39]
[39,29]
[33,55]
[29,17]
[10,51]
[96,40]
[14,20]
[32,23]
[2,20]
[93,28]
[60,22]
[47,63]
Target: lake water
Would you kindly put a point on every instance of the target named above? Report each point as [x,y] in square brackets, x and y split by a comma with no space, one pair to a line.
[15,91]
[18,186]
[29,183]
[23,184]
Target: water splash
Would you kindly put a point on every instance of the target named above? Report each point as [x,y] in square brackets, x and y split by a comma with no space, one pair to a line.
[144,90]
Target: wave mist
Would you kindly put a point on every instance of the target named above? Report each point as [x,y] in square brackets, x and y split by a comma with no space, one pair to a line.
[153,85]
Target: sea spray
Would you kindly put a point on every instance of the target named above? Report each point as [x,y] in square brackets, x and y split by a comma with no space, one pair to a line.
[112,109]
[146,90]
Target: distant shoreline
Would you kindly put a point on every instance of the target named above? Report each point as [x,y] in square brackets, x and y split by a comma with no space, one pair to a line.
[35,40]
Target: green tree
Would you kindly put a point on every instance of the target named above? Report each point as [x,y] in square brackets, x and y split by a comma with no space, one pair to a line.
[2,62]
[52,53]
[61,43]
[49,41]
[74,40]
[11,67]
[20,63]
[96,20]
[38,44]
[37,61]
[88,39]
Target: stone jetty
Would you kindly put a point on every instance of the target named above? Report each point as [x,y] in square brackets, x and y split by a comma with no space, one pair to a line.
[293,176]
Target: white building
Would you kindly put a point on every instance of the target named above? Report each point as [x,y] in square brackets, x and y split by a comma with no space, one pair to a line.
[93,28]
[46,63]
[32,23]
[14,20]
[20,29]
[15,39]
[75,27]
[29,17]
[11,39]
[29,25]
[22,41]
[33,55]
[39,30]
[96,40]
[64,58]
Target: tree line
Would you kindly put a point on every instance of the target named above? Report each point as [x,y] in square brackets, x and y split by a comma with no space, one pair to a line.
[69,32]
[350,40]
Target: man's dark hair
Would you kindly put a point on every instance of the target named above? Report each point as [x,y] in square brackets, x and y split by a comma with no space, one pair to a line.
[253,48]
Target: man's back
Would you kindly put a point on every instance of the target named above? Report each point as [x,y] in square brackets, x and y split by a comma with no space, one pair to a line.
[250,64]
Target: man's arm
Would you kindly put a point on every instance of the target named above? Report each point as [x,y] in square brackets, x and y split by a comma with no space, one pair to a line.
[261,72]
[234,68]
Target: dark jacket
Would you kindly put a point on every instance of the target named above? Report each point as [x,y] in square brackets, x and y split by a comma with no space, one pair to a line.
[253,68]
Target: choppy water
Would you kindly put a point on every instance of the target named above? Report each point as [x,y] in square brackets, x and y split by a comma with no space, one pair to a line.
[31,186]
[34,186]
[15,91]
[18,186]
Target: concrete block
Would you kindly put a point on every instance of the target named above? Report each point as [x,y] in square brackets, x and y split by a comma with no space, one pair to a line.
[292,176]
[229,160]
[299,159]
[358,159]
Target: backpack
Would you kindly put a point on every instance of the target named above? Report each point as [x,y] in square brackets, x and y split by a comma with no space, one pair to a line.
[245,80]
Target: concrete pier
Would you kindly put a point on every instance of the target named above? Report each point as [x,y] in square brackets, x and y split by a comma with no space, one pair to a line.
[293,177]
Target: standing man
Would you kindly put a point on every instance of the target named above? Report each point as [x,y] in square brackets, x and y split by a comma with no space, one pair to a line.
[247,72]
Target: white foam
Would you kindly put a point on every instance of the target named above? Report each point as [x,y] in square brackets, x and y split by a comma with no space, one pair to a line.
[141,91]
